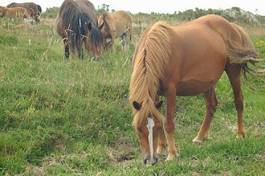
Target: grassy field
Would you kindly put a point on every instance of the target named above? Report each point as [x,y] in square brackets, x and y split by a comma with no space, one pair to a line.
[60,117]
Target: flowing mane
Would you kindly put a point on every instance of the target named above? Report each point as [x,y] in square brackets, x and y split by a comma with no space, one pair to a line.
[149,64]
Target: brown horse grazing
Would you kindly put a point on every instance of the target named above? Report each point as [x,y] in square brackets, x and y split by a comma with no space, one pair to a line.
[77,24]
[34,10]
[16,12]
[185,60]
[115,25]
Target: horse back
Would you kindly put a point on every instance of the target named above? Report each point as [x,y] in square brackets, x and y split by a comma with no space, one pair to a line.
[197,57]
[88,8]
[123,22]
[16,12]
[119,22]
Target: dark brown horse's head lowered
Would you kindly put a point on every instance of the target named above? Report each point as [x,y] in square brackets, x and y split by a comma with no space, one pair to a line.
[77,24]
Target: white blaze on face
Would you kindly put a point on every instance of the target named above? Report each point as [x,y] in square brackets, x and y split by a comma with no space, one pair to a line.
[150,125]
[80,23]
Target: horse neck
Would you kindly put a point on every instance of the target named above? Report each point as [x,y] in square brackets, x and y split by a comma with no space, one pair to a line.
[151,59]
[144,84]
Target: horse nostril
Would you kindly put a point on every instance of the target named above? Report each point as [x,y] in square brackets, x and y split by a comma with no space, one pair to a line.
[145,161]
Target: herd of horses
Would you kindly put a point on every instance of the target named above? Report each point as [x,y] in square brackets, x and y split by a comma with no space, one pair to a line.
[78,25]
[22,11]
[169,60]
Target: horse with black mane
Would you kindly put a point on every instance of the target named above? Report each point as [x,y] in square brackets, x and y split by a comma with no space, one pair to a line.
[77,24]
[185,60]
[34,10]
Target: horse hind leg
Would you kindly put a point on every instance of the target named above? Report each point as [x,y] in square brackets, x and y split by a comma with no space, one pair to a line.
[81,53]
[211,103]
[233,73]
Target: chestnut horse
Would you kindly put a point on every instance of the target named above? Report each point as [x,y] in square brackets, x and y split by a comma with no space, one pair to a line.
[34,10]
[16,12]
[77,24]
[115,25]
[185,60]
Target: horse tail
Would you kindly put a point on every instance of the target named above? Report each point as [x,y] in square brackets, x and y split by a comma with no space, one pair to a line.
[242,51]
[149,62]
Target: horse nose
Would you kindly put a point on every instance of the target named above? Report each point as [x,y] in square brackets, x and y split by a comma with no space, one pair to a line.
[147,160]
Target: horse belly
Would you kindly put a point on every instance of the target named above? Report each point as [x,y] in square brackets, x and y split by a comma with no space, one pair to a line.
[193,87]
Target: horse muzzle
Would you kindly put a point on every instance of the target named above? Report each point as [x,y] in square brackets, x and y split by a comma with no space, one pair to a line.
[149,160]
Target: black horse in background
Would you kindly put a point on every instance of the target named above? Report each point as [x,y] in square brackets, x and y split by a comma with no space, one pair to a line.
[77,25]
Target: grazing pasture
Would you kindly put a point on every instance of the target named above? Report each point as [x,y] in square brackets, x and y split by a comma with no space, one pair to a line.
[72,117]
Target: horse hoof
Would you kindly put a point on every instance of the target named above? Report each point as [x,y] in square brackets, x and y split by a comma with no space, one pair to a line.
[240,136]
[197,141]
[149,161]
[154,161]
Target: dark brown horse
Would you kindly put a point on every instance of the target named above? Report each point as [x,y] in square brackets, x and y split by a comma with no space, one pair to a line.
[34,10]
[185,60]
[77,24]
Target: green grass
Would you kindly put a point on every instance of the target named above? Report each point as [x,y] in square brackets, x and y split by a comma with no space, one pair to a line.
[61,117]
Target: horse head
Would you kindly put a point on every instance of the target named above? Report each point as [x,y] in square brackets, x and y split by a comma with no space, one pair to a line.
[93,39]
[148,123]
[2,11]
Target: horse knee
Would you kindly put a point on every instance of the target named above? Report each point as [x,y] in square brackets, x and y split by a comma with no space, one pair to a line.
[215,102]
[215,106]
[239,105]
[211,112]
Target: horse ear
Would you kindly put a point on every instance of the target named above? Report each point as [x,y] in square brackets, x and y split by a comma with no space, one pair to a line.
[159,104]
[137,105]
[89,26]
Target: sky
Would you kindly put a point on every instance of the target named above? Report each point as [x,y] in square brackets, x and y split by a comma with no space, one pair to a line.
[162,6]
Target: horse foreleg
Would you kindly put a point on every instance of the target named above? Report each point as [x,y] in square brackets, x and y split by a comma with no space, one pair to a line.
[233,73]
[66,49]
[161,141]
[81,53]
[170,126]
[211,103]
[123,41]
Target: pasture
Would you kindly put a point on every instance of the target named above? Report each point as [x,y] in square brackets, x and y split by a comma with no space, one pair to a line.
[72,117]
